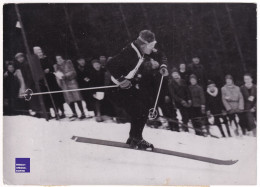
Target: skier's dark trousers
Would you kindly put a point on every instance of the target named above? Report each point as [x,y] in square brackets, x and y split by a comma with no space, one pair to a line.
[126,71]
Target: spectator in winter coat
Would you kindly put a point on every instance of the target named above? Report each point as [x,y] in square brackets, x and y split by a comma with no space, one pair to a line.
[215,107]
[13,88]
[198,105]
[23,65]
[83,78]
[197,69]
[181,96]
[56,100]
[249,94]
[67,80]
[233,101]
[97,78]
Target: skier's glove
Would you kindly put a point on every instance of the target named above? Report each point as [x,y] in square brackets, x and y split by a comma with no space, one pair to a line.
[125,84]
[163,70]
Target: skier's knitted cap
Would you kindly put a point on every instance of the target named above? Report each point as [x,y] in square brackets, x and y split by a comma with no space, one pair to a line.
[18,55]
[192,76]
[210,82]
[228,77]
[147,36]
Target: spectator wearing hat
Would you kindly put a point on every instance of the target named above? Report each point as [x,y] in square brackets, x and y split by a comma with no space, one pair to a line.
[181,96]
[197,110]
[67,80]
[249,91]
[48,69]
[198,69]
[124,67]
[215,107]
[233,101]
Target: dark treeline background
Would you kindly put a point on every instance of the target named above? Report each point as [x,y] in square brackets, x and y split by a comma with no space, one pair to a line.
[223,35]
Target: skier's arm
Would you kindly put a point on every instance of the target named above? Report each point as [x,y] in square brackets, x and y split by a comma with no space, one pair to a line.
[114,66]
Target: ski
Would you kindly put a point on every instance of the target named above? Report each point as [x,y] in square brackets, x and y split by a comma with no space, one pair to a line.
[155,150]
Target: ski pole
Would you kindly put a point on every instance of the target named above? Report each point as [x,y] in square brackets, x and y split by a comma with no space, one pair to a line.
[29,93]
[152,112]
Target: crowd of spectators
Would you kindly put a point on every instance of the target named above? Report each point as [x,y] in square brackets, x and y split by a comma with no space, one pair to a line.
[186,90]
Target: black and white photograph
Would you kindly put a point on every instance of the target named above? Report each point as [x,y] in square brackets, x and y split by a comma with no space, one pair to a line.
[129,93]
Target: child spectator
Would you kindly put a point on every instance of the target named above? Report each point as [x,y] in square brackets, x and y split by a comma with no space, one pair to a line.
[198,105]
[215,107]
[181,96]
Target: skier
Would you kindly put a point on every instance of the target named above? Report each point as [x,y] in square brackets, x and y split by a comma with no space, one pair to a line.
[125,69]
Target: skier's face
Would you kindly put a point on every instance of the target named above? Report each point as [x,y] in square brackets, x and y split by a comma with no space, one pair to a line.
[248,79]
[148,47]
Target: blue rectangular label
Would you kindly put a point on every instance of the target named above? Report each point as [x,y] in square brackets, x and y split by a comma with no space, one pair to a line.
[22,165]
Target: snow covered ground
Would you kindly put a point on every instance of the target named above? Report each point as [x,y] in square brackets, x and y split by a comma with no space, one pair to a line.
[58,160]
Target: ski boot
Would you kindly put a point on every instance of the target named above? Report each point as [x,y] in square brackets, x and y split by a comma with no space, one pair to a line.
[141,144]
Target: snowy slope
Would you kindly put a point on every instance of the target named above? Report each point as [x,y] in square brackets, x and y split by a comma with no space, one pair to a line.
[57,160]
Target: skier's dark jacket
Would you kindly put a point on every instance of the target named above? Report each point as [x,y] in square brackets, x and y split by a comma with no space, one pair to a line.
[126,61]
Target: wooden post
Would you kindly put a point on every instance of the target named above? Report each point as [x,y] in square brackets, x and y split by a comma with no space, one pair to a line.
[29,55]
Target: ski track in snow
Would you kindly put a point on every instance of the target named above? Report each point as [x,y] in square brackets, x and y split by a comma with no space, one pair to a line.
[58,160]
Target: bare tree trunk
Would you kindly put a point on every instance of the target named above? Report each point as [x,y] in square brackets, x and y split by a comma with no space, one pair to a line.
[148,25]
[224,49]
[236,38]
[124,20]
[71,29]
[173,35]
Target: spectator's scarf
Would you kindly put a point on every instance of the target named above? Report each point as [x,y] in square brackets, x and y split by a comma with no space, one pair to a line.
[214,94]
